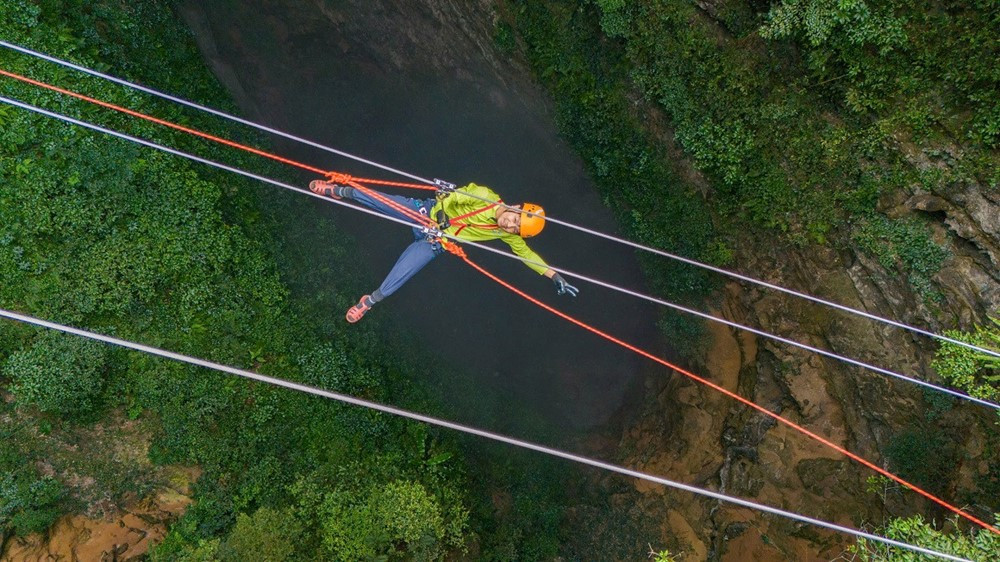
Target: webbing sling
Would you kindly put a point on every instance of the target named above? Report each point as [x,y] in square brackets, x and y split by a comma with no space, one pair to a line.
[461,225]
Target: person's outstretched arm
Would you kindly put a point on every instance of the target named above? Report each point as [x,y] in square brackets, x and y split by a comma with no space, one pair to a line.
[536,263]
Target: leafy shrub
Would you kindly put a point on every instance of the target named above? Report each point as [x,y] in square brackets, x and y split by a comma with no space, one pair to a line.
[171,550]
[29,503]
[60,374]
[503,38]
[399,514]
[268,535]
[902,246]
[973,371]
[980,546]
[614,19]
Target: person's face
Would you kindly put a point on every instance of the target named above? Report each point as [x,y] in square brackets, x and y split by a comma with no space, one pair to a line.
[509,220]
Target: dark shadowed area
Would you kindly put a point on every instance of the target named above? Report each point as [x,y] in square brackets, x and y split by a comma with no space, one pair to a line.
[422,88]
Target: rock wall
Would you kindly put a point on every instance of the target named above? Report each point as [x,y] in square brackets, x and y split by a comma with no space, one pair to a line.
[694,435]
[382,38]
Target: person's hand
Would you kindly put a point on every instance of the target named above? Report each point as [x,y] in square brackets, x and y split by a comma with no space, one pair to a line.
[562,287]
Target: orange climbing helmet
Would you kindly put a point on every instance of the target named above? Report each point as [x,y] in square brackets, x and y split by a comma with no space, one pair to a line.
[532,220]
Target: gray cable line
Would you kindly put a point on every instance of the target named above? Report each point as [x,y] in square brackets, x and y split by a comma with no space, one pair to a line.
[750,329]
[509,255]
[215,112]
[465,429]
[635,245]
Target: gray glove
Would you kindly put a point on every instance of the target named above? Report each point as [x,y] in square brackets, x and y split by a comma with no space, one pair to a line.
[562,287]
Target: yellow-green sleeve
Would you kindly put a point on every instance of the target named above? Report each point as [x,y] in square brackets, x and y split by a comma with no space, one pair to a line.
[521,250]
[475,201]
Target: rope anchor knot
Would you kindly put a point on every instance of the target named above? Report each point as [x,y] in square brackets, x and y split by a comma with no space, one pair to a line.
[339,178]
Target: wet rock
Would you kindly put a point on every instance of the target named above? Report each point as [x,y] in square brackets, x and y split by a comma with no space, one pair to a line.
[969,214]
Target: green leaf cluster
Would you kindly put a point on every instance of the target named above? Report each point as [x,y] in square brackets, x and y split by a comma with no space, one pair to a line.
[378,521]
[102,234]
[973,371]
[60,374]
[29,501]
[269,535]
[981,546]
[902,246]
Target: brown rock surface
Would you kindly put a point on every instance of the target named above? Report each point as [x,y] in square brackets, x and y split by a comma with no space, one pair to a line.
[121,537]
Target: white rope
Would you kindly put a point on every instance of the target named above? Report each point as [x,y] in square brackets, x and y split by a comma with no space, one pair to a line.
[636,245]
[807,347]
[215,112]
[466,429]
[509,255]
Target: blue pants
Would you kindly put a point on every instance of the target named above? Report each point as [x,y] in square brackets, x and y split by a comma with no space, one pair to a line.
[416,255]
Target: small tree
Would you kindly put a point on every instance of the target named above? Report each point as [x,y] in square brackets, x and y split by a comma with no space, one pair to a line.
[60,374]
[268,535]
[28,503]
[400,517]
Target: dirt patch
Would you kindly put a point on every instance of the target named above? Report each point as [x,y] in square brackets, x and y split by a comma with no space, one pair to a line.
[125,536]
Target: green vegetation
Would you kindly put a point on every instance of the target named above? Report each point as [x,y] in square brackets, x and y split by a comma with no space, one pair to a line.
[268,535]
[361,525]
[902,245]
[106,235]
[923,456]
[60,374]
[804,116]
[29,502]
[662,556]
[976,544]
[973,371]
[981,546]
[978,374]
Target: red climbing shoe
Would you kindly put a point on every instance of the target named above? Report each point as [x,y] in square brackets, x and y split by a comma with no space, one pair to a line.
[324,188]
[357,311]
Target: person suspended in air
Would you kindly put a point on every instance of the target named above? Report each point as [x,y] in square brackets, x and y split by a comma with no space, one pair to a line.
[466,213]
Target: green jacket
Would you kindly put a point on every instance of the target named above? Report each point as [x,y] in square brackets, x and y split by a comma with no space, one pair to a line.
[482,226]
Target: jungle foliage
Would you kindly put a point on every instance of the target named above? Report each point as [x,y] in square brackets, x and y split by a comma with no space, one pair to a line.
[811,122]
[973,371]
[981,547]
[807,118]
[102,234]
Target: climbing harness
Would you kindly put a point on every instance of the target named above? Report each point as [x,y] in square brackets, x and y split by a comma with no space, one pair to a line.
[457,221]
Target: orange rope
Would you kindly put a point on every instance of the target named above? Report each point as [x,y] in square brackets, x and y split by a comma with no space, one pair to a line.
[458,251]
[398,184]
[414,215]
[334,176]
